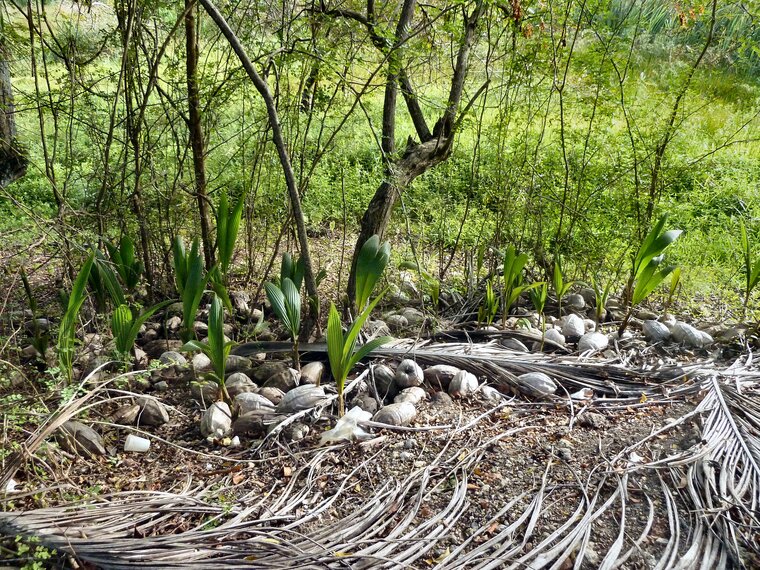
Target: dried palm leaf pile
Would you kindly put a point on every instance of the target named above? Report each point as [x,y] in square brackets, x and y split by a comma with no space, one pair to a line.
[491,486]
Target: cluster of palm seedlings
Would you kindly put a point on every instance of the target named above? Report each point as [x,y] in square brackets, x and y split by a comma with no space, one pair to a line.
[710,490]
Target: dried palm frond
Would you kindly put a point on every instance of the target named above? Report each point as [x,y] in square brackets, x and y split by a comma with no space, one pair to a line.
[709,491]
[615,383]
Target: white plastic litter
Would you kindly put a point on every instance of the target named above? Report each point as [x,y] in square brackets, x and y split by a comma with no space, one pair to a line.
[347,428]
[136,444]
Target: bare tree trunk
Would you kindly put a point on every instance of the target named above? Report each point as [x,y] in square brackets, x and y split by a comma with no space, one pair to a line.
[283,154]
[196,132]
[434,148]
[12,160]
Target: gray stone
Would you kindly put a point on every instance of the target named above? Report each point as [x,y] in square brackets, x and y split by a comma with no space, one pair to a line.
[655,331]
[78,438]
[593,341]
[312,372]
[536,384]
[408,374]
[440,376]
[172,357]
[239,383]
[201,363]
[217,421]
[589,325]
[152,412]
[161,386]
[285,380]
[200,328]
[554,335]
[396,322]
[574,301]
[573,327]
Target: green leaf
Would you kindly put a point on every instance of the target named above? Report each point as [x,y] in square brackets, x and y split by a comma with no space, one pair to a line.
[67,327]
[215,339]
[286,267]
[121,327]
[335,342]
[277,300]
[292,306]
[649,281]
[180,264]
[108,277]
[370,264]
[353,333]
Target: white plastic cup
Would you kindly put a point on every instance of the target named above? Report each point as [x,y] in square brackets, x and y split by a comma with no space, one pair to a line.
[136,444]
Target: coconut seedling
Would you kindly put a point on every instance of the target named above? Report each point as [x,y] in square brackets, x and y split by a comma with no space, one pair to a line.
[216,347]
[372,260]
[601,296]
[341,348]
[125,263]
[190,281]
[104,284]
[560,285]
[538,295]
[648,270]
[490,305]
[513,279]
[67,328]
[227,227]
[286,304]
[125,326]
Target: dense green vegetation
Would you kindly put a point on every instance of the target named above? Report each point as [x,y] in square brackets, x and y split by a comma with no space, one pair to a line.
[580,124]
